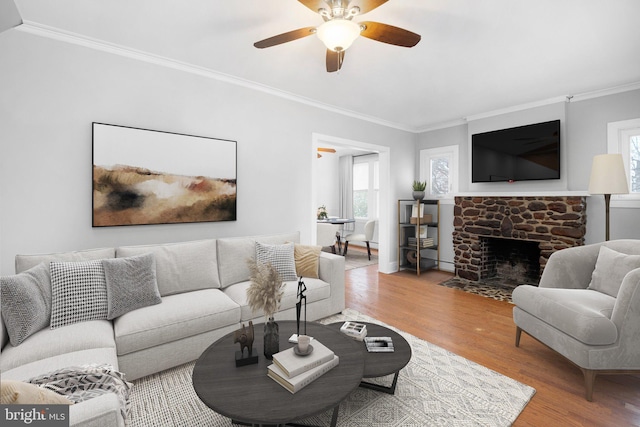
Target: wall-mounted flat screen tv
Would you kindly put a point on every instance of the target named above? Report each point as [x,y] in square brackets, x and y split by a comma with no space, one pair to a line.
[523,153]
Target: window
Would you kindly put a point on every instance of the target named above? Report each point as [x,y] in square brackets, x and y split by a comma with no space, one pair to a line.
[624,138]
[439,167]
[366,186]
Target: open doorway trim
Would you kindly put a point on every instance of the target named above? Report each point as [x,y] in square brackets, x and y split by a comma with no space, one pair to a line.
[384,221]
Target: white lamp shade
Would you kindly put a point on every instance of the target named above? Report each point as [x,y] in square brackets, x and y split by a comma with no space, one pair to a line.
[608,175]
[338,34]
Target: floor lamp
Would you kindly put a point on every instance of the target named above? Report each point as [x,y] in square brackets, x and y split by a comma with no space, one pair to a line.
[608,177]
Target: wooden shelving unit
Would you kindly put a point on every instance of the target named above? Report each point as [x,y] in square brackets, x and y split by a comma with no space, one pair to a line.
[418,238]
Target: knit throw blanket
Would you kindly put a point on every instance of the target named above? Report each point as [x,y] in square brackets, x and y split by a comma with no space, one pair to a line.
[80,383]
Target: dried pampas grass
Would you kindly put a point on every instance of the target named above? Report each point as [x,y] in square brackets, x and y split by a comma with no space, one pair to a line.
[266,289]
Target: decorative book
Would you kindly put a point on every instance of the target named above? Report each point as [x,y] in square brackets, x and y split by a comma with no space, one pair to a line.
[292,364]
[300,381]
[354,330]
[379,344]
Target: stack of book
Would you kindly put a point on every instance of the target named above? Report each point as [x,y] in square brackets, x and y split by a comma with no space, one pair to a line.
[355,330]
[294,372]
[379,344]
[424,243]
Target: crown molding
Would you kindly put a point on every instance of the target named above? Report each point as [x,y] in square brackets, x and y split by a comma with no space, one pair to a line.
[58,34]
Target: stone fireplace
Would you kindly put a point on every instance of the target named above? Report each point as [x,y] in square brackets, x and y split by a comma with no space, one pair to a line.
[508,240]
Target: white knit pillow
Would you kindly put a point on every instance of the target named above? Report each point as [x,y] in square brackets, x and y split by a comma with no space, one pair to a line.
[79,292]
[280,257]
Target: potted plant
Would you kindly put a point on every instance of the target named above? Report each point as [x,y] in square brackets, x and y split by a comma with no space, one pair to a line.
[322,212]
[418,189]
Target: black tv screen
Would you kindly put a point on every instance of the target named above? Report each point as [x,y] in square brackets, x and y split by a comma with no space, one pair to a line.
[523,153]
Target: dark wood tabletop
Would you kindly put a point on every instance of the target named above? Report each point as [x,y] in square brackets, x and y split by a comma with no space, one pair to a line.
[248,395]
[381,364]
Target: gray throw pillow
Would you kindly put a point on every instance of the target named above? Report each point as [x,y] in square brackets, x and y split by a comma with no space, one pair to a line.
[131,284]
[79,292]
[280,257]
[26,302]
[611,267]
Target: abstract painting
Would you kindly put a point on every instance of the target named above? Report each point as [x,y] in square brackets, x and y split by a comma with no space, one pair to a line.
[144,177]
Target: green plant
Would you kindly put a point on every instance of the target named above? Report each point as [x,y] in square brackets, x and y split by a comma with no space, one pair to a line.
[419,185]
[322,212]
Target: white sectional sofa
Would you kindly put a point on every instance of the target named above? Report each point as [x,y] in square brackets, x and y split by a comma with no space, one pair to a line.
[202,285]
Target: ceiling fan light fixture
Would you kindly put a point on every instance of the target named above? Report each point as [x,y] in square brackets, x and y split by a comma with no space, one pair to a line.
[338,34]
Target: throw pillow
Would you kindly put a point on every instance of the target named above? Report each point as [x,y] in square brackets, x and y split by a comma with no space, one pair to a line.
[307,260]
[79,292]
[19,393]
[611,267]
[131,284]
[280,257]
[25,300]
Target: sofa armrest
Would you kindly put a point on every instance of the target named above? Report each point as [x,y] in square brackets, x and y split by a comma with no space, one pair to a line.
[331,270]
[101,411]
[570,268]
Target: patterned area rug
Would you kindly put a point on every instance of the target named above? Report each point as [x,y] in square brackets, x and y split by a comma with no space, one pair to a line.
[489,290]
[437,387]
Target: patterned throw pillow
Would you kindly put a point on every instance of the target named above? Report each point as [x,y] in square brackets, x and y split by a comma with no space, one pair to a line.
[26,302]
[307,260]
[79,292]
[131,283]
[280,257]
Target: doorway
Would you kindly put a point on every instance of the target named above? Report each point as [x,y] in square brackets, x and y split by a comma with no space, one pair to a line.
[384,217]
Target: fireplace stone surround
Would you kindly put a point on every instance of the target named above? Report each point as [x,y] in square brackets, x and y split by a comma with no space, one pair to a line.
[554,223]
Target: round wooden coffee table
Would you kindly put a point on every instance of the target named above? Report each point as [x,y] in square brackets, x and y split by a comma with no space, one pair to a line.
[382,364]
[246,395]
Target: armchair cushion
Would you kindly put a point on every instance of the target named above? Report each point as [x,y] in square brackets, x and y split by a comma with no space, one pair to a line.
[580,313]
[611,267]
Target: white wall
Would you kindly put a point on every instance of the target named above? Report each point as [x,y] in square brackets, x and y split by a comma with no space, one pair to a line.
[53,91]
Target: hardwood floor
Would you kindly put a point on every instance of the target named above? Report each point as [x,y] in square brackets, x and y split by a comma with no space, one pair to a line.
[482,330]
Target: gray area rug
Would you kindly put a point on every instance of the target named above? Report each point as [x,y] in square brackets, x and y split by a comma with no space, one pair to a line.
[437,387]
[357,259]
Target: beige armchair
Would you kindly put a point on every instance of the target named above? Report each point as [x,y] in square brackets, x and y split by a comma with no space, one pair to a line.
[587,308]
[327,235]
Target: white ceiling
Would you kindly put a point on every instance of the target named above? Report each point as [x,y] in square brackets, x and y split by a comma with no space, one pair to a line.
[475,56]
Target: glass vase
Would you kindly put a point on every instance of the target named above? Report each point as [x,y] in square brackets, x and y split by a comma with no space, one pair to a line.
[271,338]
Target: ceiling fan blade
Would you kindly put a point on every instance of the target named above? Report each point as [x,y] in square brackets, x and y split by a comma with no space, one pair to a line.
[327,150]
[334,60]
[389,34]
[285,37]
[314,5]
[367,5]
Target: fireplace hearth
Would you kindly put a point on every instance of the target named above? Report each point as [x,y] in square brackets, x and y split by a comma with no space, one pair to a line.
[508,240]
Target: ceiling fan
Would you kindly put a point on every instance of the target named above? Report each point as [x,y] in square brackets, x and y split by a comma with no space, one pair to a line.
[339,31]
[325,150]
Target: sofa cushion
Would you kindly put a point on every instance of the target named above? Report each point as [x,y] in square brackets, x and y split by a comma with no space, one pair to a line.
[54,342]
[611,267]
[233,254]
[20,393]
[307,260]
[317,290]
[26,302]
[181,267]
[131,284]
[179,316]
[580,313]
[280,257]
[25,262]
[78,292]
